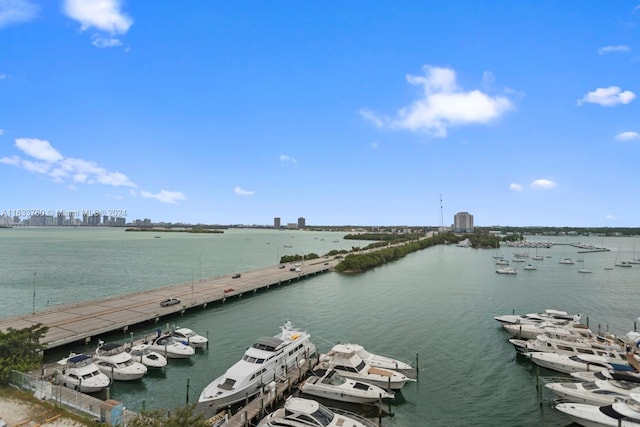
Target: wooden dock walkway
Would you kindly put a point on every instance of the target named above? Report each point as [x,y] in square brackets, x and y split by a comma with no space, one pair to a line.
[84,320]
[263,404]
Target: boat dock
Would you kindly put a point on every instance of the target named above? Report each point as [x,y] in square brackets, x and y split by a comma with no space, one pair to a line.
[84,320]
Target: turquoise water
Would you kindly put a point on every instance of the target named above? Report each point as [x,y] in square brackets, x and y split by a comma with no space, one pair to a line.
[438,304]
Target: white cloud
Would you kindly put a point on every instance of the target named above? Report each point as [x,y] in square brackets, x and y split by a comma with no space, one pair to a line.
[105,15]
[242,192]
[1,132]
[443,105]
[515,187]
[16,12]
[374,145]
[102,42]
[610,217]
[616,48]
[44,159]
[608,97]
[38,149]
[628,136]
[4,76]
[285,158]
[164,196]
[543,184]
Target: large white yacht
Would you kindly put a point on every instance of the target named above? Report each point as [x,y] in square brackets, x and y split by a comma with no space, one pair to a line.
[268,359]
[598,392]
[549,315]
[331,385]
[376,359]
[622,414]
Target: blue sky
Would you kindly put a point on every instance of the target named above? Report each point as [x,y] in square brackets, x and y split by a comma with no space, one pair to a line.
[342,112]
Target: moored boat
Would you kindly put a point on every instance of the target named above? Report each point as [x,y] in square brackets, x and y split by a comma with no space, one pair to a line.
[302,412]
[507,270]
[171,347]
[329,384]
[377,360]
[620,414]
[79,372]
[144,354]
[113,360]
[191,337]
[267,359]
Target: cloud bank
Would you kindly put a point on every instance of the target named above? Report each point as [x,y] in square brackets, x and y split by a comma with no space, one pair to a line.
[44,159]
[443,105]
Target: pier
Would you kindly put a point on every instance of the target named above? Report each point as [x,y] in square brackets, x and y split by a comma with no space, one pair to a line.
[84,320]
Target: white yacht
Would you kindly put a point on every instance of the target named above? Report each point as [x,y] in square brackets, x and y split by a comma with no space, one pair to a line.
[553,342]
[350,365]
[191,337]
[598,392]
[299,412]
[618,414]
[531,331]
[267,359]
[171,347]
[376,359]
[79,372]
[507,270]
[549,315]
[144,354]
[113,360]
[331,385]
[568,363]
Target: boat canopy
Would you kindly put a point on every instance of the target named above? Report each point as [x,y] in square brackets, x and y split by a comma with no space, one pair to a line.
[268,344]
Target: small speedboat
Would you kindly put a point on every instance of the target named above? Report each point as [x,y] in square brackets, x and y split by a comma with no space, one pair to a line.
[144,354]
[171,347]
[305,412]
[376,359]
[79,372]
[114,361]
[188,335]
[620,414]
[331,385]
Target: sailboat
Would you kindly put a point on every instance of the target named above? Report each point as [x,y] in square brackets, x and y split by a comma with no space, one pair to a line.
[582,269]
[536,256]
[634,260]
[621,263]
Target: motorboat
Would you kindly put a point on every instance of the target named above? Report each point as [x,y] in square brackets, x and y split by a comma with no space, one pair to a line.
[142,353]
[619,414]
[79,372]
[563,343]
[329,384]
[188,335]
[567,261]
[376,359]
[114,361]
[549,315]
[347,362]
[266,360]
[501,261]
[507,270]
[530,267]
[568,363]
[300,412]
[171,347]
[598,392]
[611,374]
[532,330]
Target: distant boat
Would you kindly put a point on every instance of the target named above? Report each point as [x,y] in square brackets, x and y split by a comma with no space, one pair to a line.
[567,261]
[506,270]
[156,237]
[582,269]
[288,246]
[530,267]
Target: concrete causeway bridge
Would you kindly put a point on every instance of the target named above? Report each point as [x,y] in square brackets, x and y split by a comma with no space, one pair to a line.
[83,320]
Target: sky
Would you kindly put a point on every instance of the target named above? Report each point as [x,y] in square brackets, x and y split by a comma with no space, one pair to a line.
[342,112]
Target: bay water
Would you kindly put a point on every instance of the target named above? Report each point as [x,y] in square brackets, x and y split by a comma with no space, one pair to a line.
[435,306]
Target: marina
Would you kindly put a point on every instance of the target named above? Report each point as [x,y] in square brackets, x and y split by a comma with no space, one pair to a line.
[433,303]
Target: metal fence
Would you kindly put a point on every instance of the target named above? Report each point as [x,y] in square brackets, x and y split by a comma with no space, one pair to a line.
[64,396]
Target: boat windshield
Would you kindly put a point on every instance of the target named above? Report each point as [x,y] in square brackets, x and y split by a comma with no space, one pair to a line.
[334,379]
[323,415]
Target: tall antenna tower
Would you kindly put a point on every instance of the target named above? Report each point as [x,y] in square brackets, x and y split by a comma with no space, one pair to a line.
[441,216]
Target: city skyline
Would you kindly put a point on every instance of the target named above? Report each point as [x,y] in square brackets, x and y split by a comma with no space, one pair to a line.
[523,113]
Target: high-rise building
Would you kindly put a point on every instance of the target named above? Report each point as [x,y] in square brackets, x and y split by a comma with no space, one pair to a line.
[463,222]
[301,222]
[276,223]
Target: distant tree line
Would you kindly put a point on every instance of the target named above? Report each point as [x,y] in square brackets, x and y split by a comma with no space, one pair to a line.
[603,231]
[355,263]
[386,237]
